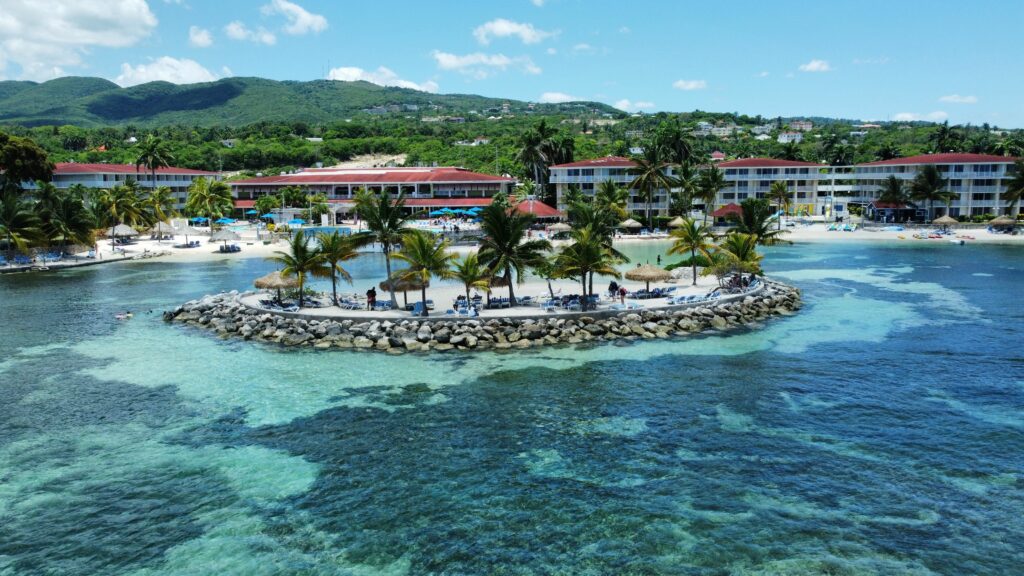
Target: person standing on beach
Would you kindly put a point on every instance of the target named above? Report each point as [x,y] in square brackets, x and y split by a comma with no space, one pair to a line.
[371,298]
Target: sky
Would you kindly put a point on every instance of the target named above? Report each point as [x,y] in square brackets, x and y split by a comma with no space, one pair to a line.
[865,59]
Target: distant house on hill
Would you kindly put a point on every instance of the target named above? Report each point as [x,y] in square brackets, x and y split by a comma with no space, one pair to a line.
[787,137]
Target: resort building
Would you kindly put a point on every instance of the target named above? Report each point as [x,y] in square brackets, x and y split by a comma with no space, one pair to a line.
[68,174]
[437,187]
[588,175]
[787,137]
[802,125]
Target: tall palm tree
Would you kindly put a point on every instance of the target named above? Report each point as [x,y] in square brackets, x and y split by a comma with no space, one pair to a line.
[122,204]
[711,182]
[693,237]
[301,260]
[755,220]
[160,204]
[505,247]
[737,252]
[688,181]
[19,225]
[471,273]
[790,151]
[779,194]
[650,175]
[1015,189]
[536,149]
[586,256]
[385,222]
[893,191]
[209,198]
[427,258]
[153,153]
[674,142]
[929,185]
[613,198]
[68,220]
[601,223]
[335,249]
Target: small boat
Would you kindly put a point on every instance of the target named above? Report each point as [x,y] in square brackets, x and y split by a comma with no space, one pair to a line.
[123,316]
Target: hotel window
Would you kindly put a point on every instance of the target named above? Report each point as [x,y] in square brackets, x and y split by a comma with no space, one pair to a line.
[742,184]
[587,172]
[574,172]
[730,171]
[741,196]
[956,183]
[764,183]
[985,182]
[983,197]
[958,168]
[728,196]
[587,186]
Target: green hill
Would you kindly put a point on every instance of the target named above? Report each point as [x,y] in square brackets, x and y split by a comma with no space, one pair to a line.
[239,101]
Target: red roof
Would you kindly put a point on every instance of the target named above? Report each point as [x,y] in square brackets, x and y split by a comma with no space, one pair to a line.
[375,176]
[946,158]
[76,168]
[765,163]
[730,208]
[537,208]
[607,162]
[716,155]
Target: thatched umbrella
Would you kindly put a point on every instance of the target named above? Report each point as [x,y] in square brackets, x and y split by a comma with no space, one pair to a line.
[630,223]
[1003,220]
[276,281]
[225,235]
[676,222]
[190,231]
[403,284]
[121,230]
[559,227]
[163,228]
[648,273]
[945,221]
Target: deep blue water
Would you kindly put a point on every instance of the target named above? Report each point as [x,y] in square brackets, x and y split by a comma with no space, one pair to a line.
[880,431]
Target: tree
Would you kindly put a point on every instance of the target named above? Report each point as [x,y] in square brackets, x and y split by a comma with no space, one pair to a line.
[68,220]
[426,257]
[301,260]
[573,195]
[586,256]
[267,204]
[612,198]
[737,253]
[21,160]
[18,223]
[160,204]
[153,153]
[209,198]
[711,182]
[122,204]
[790,151]
[1015,189]
[674,142]
[928,186]
[779,194]
[602,223]
[651,174]
[755,220]
[505,247]
[385,222]
[471,273]
[945,139]
[693,237]
[893,191]
[1012,145]
[888,151]
[688,181]
[335,249]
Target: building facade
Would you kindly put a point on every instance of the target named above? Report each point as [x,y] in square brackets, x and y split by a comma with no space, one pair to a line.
[589,174]
[68,174]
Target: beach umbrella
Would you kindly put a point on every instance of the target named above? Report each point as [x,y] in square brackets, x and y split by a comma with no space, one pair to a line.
[224,235]
[945,221]
[559,227]
[266,215]
[403,284]
[198,219]
[190,231]
[474,210]
[648,273]
[676,222]
[630,223]
[437,213]
[163,228]
[121,230]
[251,212]
[224,221]
[276,281]
[1001,221]
[296,222]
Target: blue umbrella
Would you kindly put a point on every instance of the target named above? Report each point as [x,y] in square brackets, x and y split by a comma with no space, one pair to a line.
[224,221]
[266,215]
[199,219]
[473,210]
[251,212]
[296,222]
[437,212]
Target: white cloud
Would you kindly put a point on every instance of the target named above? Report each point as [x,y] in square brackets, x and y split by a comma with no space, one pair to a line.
[46,38]
[556,98]
[689,85]
[238,31]
[199,37]
[382,76]
[625,30]
[583,47]
[630,106]
[937,116]
[481,65]
[816,66]
[169,69]
[502,28]
[958,99]
[552,51]
[538,3]
[762,74]
[300,20]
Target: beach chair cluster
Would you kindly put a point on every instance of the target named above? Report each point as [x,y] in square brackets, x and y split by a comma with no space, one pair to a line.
[279,306]
[229,248]
[695,298]
[570,303]
[644,294]
[189,244]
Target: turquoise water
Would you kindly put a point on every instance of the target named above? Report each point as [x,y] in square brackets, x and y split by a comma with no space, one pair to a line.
[880,431]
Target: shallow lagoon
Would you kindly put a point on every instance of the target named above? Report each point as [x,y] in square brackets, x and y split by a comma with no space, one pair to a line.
[879,431]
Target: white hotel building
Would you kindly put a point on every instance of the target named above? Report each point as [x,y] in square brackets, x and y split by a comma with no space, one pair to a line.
[68,174]
[978,179]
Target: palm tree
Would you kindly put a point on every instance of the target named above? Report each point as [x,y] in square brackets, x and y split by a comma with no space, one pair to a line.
[688,181]
[160,203]
[68,220]
[736,253]
[505,248]
[153,154]
[536,149]
[946,139]
[426,258]
[929,185]
[602,223]
[209,198]
[586,256]
[122,204]
[651,174]
[711,182]
[693,237]
[893,191]
[1015,189]
[267,204]
[779,194]
[471,273]
[335,249]
[674,142]
[755,220]
[385,222]
[613,198]
[18,223]
[301,260]
[790,151]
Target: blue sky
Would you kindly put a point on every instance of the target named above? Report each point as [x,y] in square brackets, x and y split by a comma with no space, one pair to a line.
[869,60]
